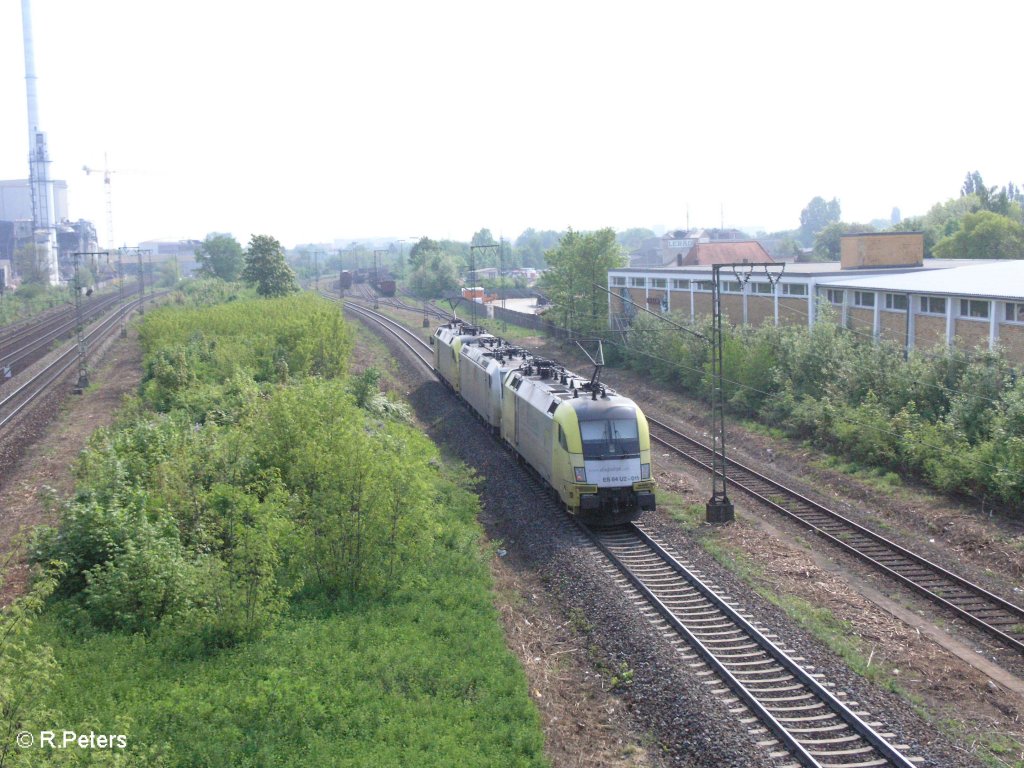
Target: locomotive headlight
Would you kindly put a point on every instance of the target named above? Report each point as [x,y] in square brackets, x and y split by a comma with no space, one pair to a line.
[581,474]
[645,471]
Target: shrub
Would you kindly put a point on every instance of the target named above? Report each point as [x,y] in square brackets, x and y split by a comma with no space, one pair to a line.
[147,580]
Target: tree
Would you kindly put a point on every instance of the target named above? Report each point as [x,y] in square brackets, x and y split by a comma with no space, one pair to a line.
[828,243]
[816,216]
[436,275]
[220,255]
[483,237]
[973,185]
[30,265]
[577,269]
[631,239]
[420,249]
[266,267]
[983,235]
[531,246]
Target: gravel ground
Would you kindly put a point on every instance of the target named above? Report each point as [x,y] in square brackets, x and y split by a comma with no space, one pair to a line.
[667,704]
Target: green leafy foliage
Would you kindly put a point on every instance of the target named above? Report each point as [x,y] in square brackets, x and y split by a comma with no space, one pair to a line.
[220,256]
[983,235]
[577,269]
[28,669]
[952,420]
[262,570]
[266,268]
[29,300]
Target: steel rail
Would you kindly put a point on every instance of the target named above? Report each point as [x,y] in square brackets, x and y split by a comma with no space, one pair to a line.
[788,739]
[910,569]
[759,705]
[392,325]
[54,370]
[39,337]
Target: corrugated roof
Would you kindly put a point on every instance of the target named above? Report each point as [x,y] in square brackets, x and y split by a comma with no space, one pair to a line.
[993,280]
[814,269]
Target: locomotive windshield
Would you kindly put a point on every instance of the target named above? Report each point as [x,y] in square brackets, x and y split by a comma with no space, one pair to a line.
[610,434]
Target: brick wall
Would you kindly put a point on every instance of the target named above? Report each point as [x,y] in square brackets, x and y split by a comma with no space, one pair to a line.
[1011,340]
[793,311]
[893,326]
[971,333]
[929,331]
[760,309]
[860,320]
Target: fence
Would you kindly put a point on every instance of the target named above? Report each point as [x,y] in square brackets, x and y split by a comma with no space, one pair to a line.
[530,320]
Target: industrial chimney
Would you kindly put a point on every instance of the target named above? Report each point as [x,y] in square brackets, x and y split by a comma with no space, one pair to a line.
[43,224]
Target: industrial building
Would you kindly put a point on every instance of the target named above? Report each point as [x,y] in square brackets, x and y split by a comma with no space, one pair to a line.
[882,287]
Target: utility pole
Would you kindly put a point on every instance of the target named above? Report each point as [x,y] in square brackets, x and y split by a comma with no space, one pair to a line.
[120,291]
[472,270]
[142,287]
[83,371]
[719,509]
[377,256]
[501,279]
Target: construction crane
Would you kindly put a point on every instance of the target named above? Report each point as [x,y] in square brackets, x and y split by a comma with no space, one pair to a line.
[110,205]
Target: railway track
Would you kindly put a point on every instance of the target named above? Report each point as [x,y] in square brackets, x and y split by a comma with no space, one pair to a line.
[15,402]
[408,338]
[785,706]
[990,613]
[22,346]
[796,714]
[974,604]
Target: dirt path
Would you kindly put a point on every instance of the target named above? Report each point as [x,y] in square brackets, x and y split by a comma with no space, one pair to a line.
[43,474]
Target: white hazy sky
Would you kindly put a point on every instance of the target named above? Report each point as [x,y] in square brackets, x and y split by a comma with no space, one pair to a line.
[312,120]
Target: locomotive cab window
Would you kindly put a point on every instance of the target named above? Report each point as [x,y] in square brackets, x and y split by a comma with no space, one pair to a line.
[608,434]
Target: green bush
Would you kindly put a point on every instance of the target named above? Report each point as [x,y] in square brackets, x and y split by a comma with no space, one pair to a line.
[945,416]
[147,580]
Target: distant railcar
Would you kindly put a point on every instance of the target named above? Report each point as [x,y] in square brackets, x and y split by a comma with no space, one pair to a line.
[346,279]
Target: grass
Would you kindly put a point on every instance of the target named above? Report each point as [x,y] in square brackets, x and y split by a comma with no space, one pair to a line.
[762,429]
[688,515]
[876,477]
[421,679]
[413,672]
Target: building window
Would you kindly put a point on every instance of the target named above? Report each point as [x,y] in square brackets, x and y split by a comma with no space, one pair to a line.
[863,299]
[974,308]
[896,302]
[933,305]
[731,286]
[761,288]
[1014,312]
[637,282]
[794,289]
[834,296]
[681,285]
[618,281]
[704,285]
[658,282]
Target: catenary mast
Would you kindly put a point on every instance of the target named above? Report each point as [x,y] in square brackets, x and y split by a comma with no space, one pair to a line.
[43,224]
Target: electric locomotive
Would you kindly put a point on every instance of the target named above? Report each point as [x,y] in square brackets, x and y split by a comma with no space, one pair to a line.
[484,362]
[447,342]
[588,443]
